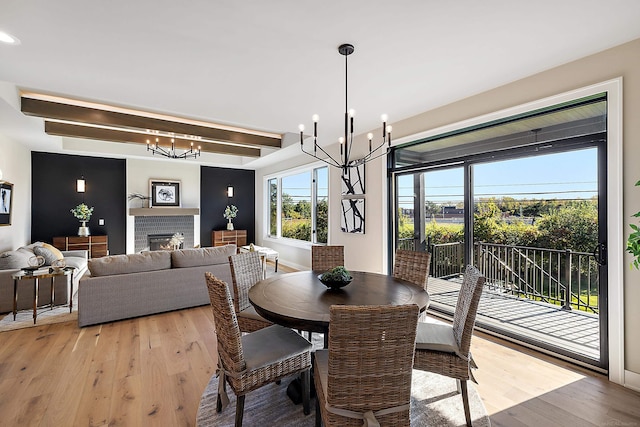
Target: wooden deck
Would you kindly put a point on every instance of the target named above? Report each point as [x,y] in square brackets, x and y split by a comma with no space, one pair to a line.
[572,331]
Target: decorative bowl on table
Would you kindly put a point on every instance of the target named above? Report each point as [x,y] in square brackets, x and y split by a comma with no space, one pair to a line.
[35,262]
[58,265]
[336,278]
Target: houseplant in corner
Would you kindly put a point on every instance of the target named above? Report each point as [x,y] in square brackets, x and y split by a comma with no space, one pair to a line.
[230,212]
[83,213]
[633,242]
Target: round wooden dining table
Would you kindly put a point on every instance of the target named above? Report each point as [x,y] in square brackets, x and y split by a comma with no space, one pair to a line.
[300,301]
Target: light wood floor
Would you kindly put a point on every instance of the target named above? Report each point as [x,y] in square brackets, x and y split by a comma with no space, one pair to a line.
[152,370]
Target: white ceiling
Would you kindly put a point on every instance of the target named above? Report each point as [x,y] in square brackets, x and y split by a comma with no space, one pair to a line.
[270,65]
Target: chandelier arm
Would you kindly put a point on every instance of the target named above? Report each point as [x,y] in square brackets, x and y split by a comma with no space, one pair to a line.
[160,150]
[376,149]
[369,158]
[333,161]
[327,154]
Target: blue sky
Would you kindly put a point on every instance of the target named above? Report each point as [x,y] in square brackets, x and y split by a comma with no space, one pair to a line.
[299,186]
[570,175]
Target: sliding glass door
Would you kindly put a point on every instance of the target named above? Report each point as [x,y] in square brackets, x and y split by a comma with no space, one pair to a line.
[524,201]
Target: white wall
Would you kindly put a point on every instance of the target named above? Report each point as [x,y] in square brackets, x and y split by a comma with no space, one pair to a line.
[139,172]
[15,163]
[363,252]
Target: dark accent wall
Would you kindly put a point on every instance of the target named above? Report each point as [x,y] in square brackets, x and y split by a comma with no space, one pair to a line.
[53,195]
[213,200]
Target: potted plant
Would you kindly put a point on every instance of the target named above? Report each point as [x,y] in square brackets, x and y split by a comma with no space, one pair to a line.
[83,213]
[633,242]
[230,212]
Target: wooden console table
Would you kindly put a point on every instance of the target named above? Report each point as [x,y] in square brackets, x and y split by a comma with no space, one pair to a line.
[98,246]
[225,237]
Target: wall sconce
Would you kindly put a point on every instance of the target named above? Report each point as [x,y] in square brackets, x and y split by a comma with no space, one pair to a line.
[229,191]
[80,185]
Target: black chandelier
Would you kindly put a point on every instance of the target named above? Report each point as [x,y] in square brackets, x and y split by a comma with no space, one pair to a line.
[170,152]
[346,142]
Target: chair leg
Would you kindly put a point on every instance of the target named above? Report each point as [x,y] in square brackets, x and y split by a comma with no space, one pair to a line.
[465,402]
[305,391]
[318,413]
[218,404]
[219,399]
[239,410]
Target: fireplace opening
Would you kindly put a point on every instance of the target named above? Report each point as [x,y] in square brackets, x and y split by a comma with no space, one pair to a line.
[163,242]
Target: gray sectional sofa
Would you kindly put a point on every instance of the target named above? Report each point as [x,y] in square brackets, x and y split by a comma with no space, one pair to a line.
[12,261]
[124,286]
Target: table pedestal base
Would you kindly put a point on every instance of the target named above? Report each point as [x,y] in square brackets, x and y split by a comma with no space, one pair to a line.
[294,390]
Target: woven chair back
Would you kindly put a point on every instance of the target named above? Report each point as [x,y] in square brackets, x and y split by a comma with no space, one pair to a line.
[464,317]
[246,271]
[226,324]
[412,266]
[325,258]
[371,359]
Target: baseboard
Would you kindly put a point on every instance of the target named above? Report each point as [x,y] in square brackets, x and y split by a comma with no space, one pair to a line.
[632,380]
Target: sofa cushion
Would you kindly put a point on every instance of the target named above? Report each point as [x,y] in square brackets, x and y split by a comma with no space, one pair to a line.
[49,253]
[202,256]
[135,263]
[75,262]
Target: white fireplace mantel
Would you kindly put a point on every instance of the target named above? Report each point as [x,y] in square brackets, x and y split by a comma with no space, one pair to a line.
[164,211]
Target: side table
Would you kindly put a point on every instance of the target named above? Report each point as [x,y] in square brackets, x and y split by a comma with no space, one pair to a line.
[36,276]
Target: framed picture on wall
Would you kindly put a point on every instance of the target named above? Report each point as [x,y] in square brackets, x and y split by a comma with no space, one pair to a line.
[352,220]
[6,199]
[164,193]
[353,181]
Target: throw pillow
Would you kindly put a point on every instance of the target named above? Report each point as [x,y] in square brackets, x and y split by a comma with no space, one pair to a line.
[13,260]
[48,255]
[56,252]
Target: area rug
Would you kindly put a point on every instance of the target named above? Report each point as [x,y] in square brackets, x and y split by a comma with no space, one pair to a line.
[46,316]
[434,402]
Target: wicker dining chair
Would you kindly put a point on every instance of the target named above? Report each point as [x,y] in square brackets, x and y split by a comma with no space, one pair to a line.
[325,258]
[366,372]
[445,349]
[412,266]
[246,271]
[248,362]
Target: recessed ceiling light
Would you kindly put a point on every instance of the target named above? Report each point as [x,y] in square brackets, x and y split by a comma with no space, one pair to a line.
[8,38]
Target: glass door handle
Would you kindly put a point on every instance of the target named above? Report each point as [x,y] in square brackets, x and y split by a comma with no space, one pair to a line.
[600,253]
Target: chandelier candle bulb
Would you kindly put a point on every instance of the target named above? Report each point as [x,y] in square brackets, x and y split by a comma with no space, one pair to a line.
[370,138]
[341,141]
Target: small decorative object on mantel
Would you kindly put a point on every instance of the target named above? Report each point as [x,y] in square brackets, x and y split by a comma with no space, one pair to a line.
[83,213]
[144,200]
[230,212]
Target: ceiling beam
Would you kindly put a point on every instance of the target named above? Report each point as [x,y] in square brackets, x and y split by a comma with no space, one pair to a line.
[102,134]
[87,115]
